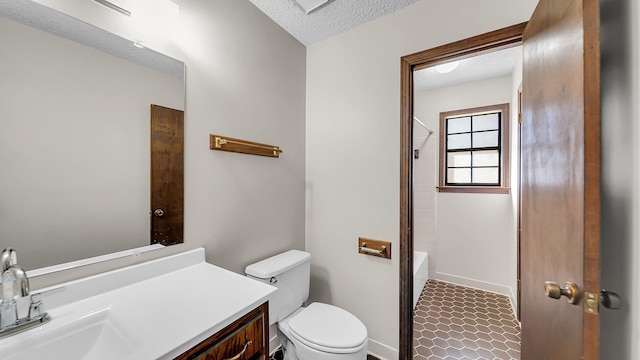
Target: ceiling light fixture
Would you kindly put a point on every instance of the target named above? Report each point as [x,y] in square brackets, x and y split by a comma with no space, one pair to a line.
[448,67]
[113,6]
[309,6]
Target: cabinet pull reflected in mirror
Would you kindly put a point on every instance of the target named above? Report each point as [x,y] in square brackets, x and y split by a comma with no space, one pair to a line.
[225,143]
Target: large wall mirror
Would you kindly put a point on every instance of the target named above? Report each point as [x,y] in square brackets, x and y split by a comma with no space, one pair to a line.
[74,138]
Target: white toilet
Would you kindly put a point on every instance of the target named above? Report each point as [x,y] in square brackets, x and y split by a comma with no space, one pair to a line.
[316,332]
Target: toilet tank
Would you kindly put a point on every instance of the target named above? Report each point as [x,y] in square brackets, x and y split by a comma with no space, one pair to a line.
[289,272]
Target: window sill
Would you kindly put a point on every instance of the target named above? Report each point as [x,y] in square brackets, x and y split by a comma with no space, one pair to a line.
[474,189]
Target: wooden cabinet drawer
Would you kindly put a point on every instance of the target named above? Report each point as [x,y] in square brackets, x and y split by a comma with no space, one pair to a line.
[245,339]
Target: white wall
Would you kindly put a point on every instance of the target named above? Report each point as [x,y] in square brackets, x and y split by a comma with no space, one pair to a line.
[353,141]
[620,180]
[473,239]
[245,79]
[425,177]
[74,147]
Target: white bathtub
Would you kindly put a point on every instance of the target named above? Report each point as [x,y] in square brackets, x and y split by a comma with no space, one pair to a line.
[420,274]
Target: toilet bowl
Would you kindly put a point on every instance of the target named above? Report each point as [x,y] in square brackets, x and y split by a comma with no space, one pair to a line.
[316,332]
[322,331]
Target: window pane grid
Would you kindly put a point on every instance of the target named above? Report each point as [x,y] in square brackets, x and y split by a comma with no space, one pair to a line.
[473,167]
[473,149]
[475,175]
[469,132]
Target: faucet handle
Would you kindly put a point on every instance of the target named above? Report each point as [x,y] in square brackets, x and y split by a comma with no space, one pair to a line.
[36,308]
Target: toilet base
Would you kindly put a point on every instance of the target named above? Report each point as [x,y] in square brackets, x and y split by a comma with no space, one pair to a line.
[289,351]
[306,353]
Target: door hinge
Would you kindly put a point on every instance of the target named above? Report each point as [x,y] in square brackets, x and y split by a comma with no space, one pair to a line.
[591,303]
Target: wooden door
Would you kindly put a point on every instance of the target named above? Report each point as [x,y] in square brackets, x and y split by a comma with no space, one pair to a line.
[560,178]
[167,180]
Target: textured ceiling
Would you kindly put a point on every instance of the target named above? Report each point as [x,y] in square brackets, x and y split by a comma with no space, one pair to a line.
[339,16]
[481,67]
[331,19]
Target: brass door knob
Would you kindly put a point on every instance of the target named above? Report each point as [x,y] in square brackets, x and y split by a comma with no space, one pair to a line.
[570,290]
[158,212]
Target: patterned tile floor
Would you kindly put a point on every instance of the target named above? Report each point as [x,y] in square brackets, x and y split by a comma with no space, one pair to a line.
[453,322]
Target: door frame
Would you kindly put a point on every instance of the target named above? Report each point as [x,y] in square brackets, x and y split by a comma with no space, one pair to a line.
[477,45]
[519,204]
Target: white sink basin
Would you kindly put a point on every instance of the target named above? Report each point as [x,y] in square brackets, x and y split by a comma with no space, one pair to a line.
[154,310]
[99,335]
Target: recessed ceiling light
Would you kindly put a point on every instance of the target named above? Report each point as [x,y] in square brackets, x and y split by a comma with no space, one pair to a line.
[310,5]
[448,67]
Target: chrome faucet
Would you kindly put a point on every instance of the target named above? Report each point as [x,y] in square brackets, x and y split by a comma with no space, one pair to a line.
[8,306]
[15,284]
[8,258]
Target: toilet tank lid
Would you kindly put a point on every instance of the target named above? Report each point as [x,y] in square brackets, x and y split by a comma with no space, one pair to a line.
[277,264]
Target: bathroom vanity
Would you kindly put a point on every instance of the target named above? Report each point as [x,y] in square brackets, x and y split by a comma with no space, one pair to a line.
[246,338]
[175,307]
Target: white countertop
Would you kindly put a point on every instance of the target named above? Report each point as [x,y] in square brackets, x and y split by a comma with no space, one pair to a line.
[154,310]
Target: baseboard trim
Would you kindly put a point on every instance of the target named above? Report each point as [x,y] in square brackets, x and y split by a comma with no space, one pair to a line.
[274,344]
[482,285]
[381,351]
[512,299]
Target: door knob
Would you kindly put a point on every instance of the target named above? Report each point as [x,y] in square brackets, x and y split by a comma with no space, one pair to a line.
[570,290]
[158,212]
[610,300]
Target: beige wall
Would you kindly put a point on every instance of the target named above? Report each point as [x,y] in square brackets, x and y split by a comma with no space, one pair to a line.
[353,162]
[620,179]
[74,147]
[245,79]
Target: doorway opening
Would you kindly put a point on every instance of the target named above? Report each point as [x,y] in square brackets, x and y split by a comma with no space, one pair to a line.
[482,44]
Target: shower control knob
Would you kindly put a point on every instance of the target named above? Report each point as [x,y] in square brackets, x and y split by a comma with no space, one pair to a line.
[158,212]
[570,290]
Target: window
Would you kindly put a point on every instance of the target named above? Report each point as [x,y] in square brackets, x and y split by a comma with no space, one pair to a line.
[474,150]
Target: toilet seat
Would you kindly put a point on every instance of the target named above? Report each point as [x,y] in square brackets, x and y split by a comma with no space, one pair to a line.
[328,328]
